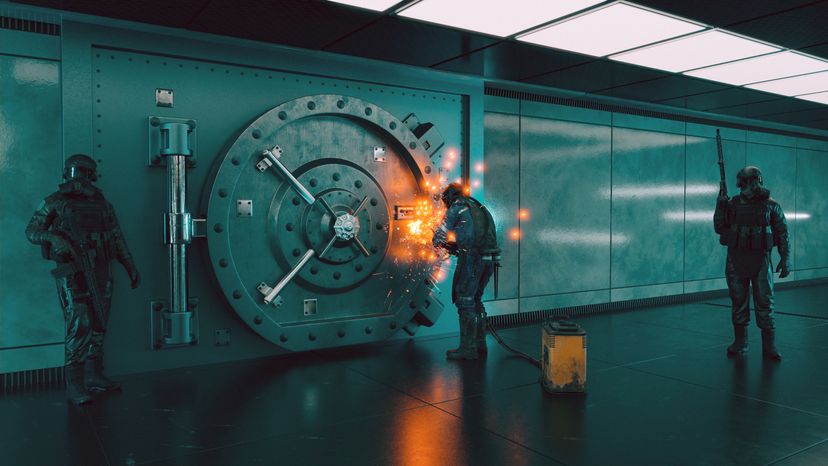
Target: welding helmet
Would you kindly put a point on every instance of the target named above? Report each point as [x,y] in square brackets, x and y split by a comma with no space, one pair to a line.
[451,193]
[80,167]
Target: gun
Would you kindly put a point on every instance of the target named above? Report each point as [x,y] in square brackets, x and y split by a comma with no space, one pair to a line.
[723,179]
[87,267]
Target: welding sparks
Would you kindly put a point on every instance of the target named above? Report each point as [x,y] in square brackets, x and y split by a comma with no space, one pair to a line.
[514,234]
[523,214]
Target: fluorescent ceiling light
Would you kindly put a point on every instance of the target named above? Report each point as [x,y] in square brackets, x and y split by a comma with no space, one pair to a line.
[695,51]
[376,5]
[612,29]
[496,17]
[764,68]
[821,97]
[806,84]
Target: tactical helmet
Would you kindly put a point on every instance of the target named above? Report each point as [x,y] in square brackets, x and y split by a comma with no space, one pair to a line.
[747,176]
[451,193]
[80,166]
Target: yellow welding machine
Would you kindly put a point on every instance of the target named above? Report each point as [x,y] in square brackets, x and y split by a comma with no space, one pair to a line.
[564,357]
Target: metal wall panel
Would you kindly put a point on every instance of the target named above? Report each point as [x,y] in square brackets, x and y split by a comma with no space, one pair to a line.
[647,202]
[811,181]
[502,193]
[704,257]
[564,181]
[29,150]
[778,165]
[222,99]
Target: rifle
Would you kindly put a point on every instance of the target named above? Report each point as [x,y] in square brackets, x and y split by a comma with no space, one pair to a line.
[87,267]
[723,182]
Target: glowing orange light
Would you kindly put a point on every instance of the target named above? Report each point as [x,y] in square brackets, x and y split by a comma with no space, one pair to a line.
[479,167]
[523,214]
[514,233]
[476,183]
[448,165]
[452,155]
[450,237]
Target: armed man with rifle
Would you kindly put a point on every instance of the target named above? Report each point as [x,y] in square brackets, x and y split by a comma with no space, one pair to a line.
[478,256]
[76,227]
[750,225]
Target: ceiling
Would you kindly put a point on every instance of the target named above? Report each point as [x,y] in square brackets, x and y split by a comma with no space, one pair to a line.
[321,25]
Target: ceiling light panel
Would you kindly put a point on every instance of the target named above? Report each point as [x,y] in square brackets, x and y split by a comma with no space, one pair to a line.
[695,51]
[496,17]
[612,29]
[807,84]
[821,97]
[764,68]
[376,5]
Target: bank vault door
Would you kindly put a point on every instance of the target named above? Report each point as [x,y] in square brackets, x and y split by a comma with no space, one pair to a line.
[319,219]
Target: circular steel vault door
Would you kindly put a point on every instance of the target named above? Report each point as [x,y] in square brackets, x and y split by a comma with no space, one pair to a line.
[301,230]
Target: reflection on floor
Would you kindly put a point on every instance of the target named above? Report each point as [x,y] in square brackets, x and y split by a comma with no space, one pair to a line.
[660,391]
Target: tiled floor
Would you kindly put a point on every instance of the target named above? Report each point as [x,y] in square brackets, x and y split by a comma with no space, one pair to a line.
[660,391]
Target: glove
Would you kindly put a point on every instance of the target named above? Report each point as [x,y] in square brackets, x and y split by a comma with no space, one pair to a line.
[783,268]
[134,277]
[61,247]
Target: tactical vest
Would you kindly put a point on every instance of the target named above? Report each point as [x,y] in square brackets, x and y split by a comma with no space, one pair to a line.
[749,226]
[485,232]
[84,222]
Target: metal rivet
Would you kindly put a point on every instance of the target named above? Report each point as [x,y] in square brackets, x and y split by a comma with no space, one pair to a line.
[340,104]
[235,161]
[311,105]
[358,183]
[428,169]
[314,270]
[311,337]
[412,304]
[393,125]
[369,330]
[258,320]
[340,334]
[374,201]
[296,252]
[155,121]
[337,275]
[392,325]
[379,226]
[237,294]
[218,227]
[257,134]
[289,227]
[312,182]
[283,338]
[358,267]
[373,249]
[222,193]
[295,201]
[336,176]
[368,111]
[282,116]
[412,145]
[223,263]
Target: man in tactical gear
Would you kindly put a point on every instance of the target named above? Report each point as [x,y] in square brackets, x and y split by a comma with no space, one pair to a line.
[76,227]
[478,255]
[750,225]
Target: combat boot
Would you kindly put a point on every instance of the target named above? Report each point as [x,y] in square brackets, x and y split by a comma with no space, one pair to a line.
[95,380]
[75,389]
[740,343]
[769,350]
[482,323]
[468,338]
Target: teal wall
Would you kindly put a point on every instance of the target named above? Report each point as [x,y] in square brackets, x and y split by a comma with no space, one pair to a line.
[621,207]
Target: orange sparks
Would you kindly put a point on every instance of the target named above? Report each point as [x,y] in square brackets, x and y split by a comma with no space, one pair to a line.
[450,237]
[452,155]
[476,183]
[514,233]
[523,214]
[479,167]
